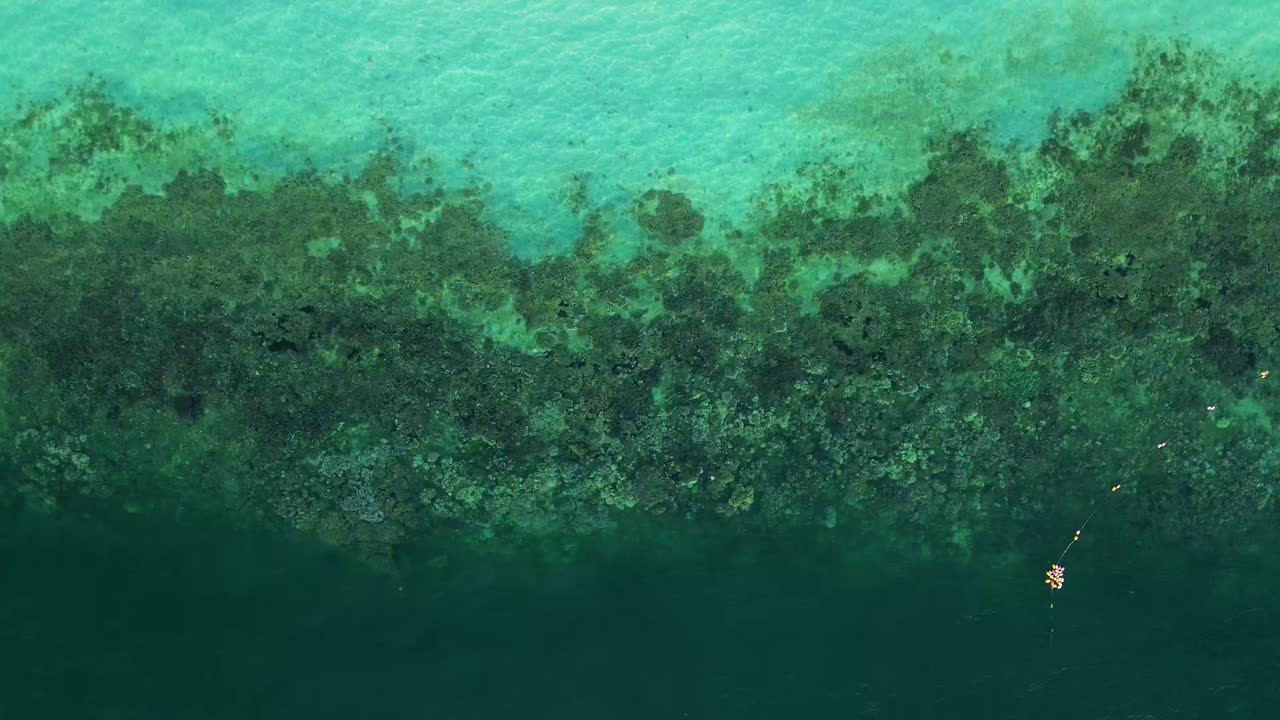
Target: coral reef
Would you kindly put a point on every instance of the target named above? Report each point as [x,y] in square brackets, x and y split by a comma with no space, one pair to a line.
[346,359]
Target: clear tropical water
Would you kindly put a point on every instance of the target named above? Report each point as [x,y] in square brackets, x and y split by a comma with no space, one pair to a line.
[566,359]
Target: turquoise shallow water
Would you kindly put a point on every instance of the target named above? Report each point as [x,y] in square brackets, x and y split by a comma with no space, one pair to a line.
[525,96]
[572,360]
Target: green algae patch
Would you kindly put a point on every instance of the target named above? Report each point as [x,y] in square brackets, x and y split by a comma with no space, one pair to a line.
[887,271]
[322,247]
[1013,287]
[1251,410]
[817,274]
[502,324]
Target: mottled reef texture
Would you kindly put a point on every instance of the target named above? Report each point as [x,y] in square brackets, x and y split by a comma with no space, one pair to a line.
[345,359]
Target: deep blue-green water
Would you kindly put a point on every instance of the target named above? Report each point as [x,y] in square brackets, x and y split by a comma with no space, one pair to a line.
[123,617]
